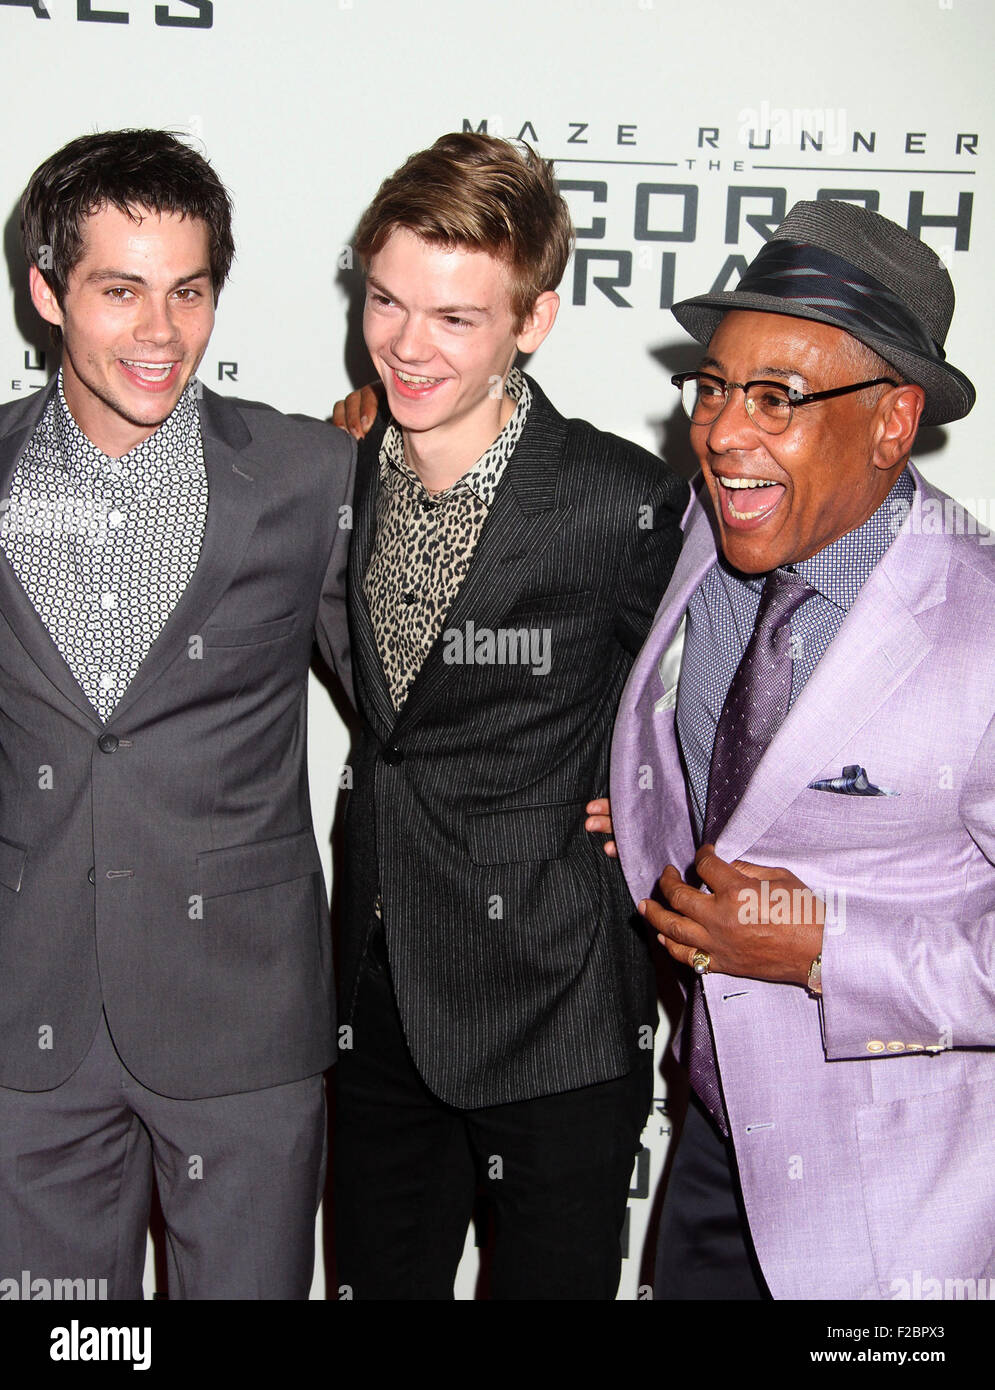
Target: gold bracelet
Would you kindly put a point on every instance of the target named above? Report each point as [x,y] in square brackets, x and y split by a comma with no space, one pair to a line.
[814,981]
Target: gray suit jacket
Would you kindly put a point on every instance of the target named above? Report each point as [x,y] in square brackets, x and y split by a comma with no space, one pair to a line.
[518,966]
[163,865]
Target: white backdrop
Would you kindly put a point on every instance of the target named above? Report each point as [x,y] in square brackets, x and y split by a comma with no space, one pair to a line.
[686,128]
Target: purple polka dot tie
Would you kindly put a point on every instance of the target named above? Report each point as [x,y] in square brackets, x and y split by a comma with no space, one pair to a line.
[754,710]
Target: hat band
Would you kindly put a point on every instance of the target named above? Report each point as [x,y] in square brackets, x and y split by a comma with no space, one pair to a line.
[796,270]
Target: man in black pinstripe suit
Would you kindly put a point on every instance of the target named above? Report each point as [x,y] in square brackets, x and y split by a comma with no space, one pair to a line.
[505,567]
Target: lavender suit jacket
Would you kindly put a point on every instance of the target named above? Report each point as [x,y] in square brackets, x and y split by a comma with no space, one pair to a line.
[864,1126]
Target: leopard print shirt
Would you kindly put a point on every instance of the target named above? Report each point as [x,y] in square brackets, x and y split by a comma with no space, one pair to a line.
[424,544]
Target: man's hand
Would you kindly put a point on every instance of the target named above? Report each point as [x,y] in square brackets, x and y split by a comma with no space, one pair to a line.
[599,821]
[771,933]
[358,411]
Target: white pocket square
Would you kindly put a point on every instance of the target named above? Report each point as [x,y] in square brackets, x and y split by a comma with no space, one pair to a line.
[669,670]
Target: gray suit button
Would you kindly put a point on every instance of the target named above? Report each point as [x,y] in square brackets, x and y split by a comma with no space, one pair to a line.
[393,755]
[108,743]
[91,875]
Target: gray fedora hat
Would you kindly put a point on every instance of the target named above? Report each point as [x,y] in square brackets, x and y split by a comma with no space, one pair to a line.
[839,264]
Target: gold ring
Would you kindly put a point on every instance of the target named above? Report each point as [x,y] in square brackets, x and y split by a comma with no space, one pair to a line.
[701,962]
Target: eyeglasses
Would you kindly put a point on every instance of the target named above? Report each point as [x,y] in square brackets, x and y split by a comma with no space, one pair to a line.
[769,404]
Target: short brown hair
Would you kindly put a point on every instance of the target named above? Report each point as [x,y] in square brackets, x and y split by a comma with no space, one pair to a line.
[476,191]
[128,170]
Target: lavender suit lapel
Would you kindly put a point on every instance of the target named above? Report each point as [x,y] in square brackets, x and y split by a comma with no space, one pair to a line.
[878,647]
[649,802]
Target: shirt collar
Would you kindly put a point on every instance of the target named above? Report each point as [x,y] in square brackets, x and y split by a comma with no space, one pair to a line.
[840,570]
[482,479]
[167,455]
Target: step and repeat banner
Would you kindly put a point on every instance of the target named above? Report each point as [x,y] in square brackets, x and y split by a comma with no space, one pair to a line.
[682,133]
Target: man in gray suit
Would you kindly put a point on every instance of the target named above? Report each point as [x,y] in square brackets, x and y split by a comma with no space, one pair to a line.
[165,559]
[505,567]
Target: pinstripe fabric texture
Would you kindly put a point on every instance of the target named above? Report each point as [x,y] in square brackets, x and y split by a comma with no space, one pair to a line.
[519,967]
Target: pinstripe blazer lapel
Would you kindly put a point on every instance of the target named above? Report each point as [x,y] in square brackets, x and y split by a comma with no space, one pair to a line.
[526,515]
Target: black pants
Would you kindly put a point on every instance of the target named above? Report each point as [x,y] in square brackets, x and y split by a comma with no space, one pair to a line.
[556,1171]
[704,1248]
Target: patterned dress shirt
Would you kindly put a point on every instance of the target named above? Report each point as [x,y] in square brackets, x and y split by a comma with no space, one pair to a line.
[104,547]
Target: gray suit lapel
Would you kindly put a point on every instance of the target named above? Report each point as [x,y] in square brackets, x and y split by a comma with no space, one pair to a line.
[17,608]
[369,670]
[234,502]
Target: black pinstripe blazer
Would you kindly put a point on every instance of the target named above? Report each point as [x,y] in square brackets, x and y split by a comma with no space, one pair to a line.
[519,967]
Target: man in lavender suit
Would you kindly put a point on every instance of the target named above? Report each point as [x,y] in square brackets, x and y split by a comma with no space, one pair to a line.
[805,751]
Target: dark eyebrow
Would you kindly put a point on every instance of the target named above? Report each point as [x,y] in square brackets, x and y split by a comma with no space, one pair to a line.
[442,309]
[100,277]
[462,309]
[762,373]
